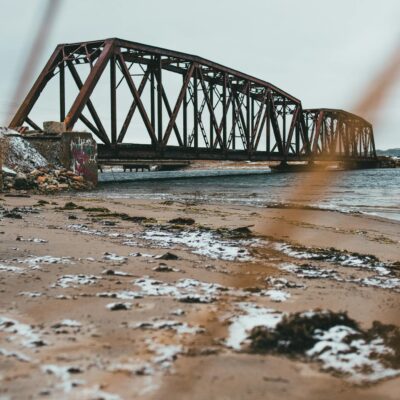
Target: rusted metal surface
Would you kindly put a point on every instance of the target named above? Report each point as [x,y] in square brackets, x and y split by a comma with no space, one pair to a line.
[339,135]
[215,112]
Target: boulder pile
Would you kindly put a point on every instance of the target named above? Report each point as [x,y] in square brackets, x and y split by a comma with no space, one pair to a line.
[24,168]
[45,179]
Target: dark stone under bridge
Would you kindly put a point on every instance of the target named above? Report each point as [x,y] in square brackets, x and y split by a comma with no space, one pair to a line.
[184,107]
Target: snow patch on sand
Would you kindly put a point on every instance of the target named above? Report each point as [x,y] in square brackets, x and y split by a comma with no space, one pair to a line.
[179,327]
[355,358]
[251,316]
[205,243]
[67,281]
[25,334]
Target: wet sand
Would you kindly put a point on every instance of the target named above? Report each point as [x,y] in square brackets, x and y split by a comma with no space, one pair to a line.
[60,338]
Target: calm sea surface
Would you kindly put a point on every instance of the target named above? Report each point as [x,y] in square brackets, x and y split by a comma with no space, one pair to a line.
[374,191]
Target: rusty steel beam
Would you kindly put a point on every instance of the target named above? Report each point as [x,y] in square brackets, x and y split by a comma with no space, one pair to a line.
[33,95]
[89,85]
[100,131]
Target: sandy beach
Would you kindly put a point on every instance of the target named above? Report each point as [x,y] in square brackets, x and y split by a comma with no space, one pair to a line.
[147,299]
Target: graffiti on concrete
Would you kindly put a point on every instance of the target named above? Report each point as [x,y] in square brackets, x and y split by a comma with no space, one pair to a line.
[83,152]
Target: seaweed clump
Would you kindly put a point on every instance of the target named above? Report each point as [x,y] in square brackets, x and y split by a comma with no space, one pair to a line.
[295,334]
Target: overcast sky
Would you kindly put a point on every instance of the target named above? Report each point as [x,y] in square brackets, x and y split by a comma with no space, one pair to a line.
[323,52]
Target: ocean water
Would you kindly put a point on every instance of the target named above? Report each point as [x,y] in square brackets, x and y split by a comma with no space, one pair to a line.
[372,191]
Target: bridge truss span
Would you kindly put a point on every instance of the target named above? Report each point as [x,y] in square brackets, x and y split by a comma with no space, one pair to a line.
[208,112]
[339,135]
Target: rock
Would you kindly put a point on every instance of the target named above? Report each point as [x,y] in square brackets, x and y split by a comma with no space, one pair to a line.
[182,221]
[78,178]
[119,306]
[53,127]
[13,215]
[21,182]
[7,171]
[41,179]
[35,172]
[164,268]
[168,256]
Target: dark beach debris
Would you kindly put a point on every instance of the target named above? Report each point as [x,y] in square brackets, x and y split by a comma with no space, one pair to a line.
[123,217]
[280,283]
[253,289]
[309,271]
[16,212]
[182,221]
[72,216]
[22,195]
[295,333]
[196,299]
[41,202]
[167,256]
[242,232]
[74,370]
[165,268]
[71,206]
[38,343]
[111,272]
[108,272]
[119,306]
[97,209]
[12,214]
[109,223]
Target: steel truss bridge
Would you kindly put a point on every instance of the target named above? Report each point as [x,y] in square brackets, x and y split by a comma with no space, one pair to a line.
[213,112]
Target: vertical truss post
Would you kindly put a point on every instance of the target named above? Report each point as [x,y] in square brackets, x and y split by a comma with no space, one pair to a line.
[372,139]
[62,91]
[233,126]
[225,111]
[113,99]
[268,125]
[252,133]
[248,124]
[185,122]
[284,137]
[195,110]
[152,101]
[211,86]
[159,101]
